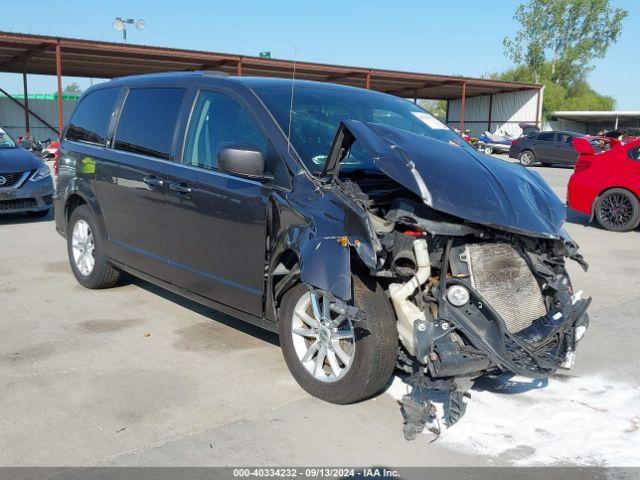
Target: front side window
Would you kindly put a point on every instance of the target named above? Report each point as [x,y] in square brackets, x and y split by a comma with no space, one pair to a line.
[317,112]
[219,121]
[148,121]
[90,120]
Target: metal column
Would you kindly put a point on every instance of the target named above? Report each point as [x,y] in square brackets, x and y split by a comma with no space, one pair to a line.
[59,75]
[463,105]
[239,68]
[25,90]
[539,109]
[490,113]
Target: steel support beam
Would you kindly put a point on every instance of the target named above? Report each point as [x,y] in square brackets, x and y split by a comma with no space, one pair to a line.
[539,109]
[490,112]
[20,58]
[239,68]
[25,90]
[368,81]
[463,105]
[35,115]
[59,75]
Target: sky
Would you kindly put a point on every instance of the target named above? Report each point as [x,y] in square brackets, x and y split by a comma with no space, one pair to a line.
[459,37]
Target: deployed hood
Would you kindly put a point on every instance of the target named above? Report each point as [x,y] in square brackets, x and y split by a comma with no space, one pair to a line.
[17,160]
[457,180]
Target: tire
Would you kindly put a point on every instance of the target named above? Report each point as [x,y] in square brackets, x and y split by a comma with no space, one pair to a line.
[39,213]
[618,210]
[527,158]
[374,354]
[488,150]
[102,274]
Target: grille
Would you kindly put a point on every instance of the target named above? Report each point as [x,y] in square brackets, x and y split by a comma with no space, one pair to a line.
[504,279]
[11,179]
[19,204]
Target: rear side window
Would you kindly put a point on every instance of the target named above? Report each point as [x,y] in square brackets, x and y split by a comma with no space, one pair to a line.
[148,121]
[90,120]
[546,137]
[634,153]
[566,138]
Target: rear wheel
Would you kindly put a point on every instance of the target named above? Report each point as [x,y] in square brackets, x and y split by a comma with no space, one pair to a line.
[331,357]
[527,158]
[618,210]
[85,248]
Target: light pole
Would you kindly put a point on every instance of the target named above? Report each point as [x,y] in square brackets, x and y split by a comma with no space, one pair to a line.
[120,24]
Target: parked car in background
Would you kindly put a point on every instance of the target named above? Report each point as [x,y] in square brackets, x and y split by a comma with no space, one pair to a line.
[25,181]
[372,228]
[494,142]
[546,148]
[606,184]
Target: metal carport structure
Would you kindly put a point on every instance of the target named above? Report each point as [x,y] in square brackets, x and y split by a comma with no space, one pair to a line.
[39,54]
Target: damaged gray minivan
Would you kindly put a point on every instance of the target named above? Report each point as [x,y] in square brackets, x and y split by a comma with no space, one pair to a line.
[353,223]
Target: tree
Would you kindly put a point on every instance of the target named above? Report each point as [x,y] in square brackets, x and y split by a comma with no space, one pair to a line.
[72,87]
[437,108]
[577,95]
[564,36]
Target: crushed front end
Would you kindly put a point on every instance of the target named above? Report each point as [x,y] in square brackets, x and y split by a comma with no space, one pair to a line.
[473,300]
[477,287]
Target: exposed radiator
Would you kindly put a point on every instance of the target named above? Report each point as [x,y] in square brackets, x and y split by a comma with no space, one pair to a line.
[504,279]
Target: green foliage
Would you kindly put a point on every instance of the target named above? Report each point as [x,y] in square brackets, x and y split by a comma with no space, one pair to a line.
[72,87]
[564,36]
[556,45]
[577,95]
[437,108]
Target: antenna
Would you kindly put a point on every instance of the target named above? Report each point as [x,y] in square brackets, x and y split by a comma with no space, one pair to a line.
[293,81]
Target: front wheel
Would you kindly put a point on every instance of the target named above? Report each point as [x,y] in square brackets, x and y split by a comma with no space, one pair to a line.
[618,210]
[85,248]
[488,150]
[527,158]
[332,357]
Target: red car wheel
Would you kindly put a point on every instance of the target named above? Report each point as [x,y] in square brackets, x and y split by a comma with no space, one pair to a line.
[618,210]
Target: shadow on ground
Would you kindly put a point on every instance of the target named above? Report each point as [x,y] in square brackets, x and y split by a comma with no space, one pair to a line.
[205,311]
[20,218]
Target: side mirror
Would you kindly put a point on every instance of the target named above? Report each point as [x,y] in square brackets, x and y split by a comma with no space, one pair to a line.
[245,160]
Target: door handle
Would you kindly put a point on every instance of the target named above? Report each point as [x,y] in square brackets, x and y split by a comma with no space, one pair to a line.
[153,181]
[180,188]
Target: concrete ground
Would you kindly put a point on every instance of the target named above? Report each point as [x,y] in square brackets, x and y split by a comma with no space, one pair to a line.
[134,375]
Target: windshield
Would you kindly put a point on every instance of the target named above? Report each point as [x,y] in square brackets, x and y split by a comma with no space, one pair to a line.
[5,140]
[318,110]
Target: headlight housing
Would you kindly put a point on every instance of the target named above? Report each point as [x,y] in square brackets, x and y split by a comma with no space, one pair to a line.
[42,173]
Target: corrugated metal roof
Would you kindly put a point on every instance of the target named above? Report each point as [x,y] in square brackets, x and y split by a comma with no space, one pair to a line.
[88,58]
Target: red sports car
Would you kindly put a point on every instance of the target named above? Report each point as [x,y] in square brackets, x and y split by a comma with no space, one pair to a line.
[606,182]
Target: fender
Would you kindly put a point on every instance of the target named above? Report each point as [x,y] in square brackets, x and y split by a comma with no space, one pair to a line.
[322,226]
[82,188]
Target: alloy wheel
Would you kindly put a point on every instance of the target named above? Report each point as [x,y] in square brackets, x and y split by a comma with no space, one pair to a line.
[616,210]
[324,340]
[526,159]
[83,247]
